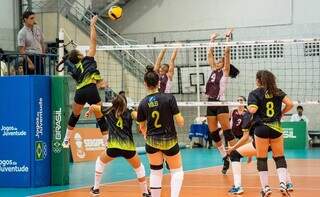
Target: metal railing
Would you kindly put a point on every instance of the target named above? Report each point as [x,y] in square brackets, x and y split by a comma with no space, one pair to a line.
[14,63]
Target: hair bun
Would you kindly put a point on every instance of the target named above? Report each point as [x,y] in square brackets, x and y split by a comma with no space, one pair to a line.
[149,68]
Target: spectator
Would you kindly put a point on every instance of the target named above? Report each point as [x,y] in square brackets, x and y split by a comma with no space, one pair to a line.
[30,42]
[3,66]
[299,116]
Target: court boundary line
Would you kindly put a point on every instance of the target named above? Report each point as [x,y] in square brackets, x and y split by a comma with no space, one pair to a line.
[105,184]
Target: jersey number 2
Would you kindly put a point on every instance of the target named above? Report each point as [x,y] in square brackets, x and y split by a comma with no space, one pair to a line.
[270,109]
[156,115]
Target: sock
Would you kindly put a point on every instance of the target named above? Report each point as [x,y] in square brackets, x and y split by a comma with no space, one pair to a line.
[282,174]
[236,171]
[143,187]
[288,177]
[98,173]
[264,178]
[155,182]
[222,151]
[68,134]
[176,181]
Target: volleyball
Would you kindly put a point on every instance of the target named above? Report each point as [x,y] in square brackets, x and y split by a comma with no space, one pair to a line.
[115,12]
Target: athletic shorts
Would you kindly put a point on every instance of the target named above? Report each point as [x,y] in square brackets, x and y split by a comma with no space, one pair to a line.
[216,110]
[171,152]
[263,131]
[116,152]
[87,94]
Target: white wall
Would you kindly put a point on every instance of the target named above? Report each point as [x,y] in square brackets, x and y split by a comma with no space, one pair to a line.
[9,24]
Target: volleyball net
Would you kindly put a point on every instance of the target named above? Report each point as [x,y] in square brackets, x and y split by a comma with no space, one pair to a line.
[295,63]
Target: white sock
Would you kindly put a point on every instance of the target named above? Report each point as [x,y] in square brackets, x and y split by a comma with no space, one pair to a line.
[282,174]
[288,177]
[98,173]
[68,134]
[236,171]
[222,151]
[176,181]
[264,178]
[141,174]
[143,187]
[155,182]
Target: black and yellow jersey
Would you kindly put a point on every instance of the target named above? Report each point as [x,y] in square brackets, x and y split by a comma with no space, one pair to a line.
[120,129]
[268,107]
[87,72]
[158,110]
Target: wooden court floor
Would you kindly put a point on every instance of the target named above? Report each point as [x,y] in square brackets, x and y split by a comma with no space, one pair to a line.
[305,174]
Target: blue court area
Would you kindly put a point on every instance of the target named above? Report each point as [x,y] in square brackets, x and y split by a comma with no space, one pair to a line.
[82,174]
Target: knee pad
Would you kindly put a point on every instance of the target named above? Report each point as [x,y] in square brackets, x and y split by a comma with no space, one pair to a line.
[73,119]
[177,174]
[262,164]
[102,124]
[140,171]
[228,135]
[235,156]
[156,167]
[280,162]
[216,136]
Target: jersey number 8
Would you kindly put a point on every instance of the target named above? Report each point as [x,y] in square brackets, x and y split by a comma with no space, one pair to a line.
[270,109]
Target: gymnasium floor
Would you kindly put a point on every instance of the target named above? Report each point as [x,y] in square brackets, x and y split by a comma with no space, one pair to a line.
[202,177]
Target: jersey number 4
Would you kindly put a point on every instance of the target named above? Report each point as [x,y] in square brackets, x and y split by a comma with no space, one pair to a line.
[156,116]
[270,109]
[120,123]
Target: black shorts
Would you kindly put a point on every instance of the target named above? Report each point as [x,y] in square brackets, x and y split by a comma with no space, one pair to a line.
[171,152]
[263,131]
[216,110]
[38,63]
[237,134]
[116,152]
[87,94]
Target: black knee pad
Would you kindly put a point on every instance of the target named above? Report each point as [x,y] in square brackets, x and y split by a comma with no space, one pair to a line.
[102,124]
[215,136]
[73,120]
[262,164]
[228,135]
[235,156]
[156,167]
[280,162]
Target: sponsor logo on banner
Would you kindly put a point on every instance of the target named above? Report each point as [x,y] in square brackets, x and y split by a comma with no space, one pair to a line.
[11,166]
[86,144]
[39,119]
[288,133]
[40,150]
[57,130]
[8,131]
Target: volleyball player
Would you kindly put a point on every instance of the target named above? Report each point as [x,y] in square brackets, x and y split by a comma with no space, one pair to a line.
[265,103]
[215,89]
[120,142]
[88,78]
[156,114]
[236,118]
[245,148]
[165,71]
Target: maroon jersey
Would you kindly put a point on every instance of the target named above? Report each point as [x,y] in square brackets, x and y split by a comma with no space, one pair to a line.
[216,85]
[236,118]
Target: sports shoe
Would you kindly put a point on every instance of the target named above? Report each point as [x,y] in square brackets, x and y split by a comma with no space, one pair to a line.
[226,165]
[147,194]
[290,187]
[94,192]
[266,191]
[236,190]
[283,189]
